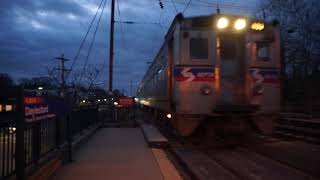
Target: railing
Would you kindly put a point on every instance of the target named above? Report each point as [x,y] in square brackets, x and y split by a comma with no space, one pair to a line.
[39,138]
[7,148]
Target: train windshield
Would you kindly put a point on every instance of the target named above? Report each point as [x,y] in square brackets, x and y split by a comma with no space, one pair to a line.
[228,48]
[263,51]
[199,48]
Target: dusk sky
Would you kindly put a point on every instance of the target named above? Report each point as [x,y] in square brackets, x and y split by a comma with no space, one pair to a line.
[33,32]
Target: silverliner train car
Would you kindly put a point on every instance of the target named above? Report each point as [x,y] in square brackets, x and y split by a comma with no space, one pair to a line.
[219,68]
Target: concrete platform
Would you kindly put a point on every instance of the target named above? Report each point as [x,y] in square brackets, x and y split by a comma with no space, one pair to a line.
[153,137]
[114,153]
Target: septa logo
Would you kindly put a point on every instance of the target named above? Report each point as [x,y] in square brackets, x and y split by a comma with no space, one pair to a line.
[265,75]
[188,74]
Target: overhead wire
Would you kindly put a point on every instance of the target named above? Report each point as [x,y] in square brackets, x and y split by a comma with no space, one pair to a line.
[187,6]
[122,38]
[83,40]
[160,22]
[121,28]
[135,22]
[92,42]
[210,4]
[174,5]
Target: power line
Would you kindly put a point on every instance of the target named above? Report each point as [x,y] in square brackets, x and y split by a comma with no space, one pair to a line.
[84,39]
[210,4]
[160,22]
[174,5]
[123,42]
[121,28]
[186,6]
[135,22]
[92,42]
[141,23]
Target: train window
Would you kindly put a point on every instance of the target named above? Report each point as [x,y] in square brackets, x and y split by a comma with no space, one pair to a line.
[263,51]
[199,48]
[228,48]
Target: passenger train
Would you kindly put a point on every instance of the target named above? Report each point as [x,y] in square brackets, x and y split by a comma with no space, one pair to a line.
[219,69]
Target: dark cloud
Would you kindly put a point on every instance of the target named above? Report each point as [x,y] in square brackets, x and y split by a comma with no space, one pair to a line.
[33,32]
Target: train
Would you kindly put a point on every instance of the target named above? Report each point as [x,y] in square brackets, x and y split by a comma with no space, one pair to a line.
[220,71]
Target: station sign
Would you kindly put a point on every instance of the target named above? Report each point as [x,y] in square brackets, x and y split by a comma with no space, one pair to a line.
[40,108]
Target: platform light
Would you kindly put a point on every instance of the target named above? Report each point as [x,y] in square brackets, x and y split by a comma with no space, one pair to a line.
[223,22]
[169,116]
[40,88]
[115,103]
[257,26]
[8,108]
[99,100]
[240,24]
[84,101]
[105,99]
[12,129]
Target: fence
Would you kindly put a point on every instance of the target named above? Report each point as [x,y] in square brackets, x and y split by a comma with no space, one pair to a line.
[24,144]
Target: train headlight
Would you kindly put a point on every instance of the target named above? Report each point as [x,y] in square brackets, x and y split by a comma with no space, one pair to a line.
[257,26]
[240,24]
[169,116]
[206,90]
[222,23]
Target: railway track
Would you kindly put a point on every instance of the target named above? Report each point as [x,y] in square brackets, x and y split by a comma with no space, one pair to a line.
[256,158]
[299,126]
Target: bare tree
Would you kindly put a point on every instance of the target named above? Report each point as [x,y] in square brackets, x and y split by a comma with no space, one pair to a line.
[300,30]
[300,38]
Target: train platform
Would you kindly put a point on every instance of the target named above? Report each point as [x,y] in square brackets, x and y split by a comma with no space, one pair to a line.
[121,154]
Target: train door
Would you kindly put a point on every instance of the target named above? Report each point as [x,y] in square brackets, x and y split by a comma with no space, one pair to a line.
[231,55]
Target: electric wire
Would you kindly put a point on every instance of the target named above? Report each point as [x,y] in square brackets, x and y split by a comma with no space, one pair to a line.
[210,4]
[161,13]
[174,5]
[187,6]
[92,42]
[122,38]
[83,41]
[136,22]
[121,28]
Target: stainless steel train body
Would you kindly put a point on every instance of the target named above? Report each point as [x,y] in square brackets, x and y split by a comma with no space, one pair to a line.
[215,65]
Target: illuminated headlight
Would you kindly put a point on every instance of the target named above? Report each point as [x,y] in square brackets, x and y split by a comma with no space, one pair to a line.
[222,23]
[257,26]
[240,24]
[206,90]
[169,116]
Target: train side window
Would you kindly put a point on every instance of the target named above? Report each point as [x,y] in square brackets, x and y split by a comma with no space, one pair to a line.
[199,48]
[263,53]
[228,48]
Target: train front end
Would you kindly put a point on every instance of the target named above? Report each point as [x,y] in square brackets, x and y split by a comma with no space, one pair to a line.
[225,66]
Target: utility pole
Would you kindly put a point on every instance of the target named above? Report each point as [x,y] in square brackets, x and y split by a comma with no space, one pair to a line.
[111,46]
[63,70]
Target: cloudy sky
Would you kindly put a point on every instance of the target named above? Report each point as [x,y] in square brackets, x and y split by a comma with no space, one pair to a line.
[33,32]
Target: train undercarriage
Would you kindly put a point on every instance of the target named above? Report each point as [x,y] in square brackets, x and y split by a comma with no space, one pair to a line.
[222,124]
